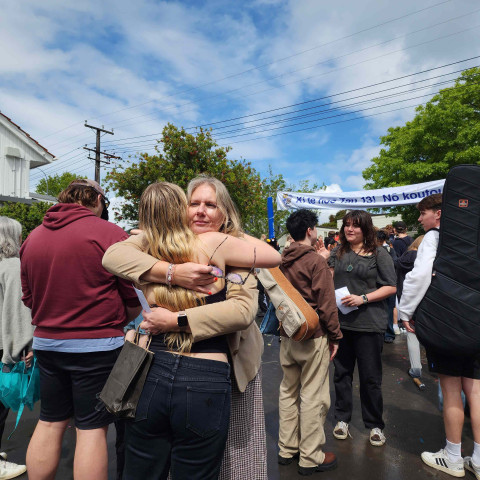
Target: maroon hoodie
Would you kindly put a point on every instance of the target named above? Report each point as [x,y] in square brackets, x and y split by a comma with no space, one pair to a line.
[71,295]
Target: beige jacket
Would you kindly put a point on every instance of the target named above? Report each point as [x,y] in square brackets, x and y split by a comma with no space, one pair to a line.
[233,317]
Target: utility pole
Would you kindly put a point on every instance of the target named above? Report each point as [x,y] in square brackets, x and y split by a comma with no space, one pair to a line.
[98,152]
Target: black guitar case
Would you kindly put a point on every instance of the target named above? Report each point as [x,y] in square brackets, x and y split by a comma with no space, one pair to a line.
[448,318]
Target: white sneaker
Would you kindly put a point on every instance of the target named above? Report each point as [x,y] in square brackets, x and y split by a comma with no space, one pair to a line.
[440,461]
[3,455]
[396,329]
[10,470]
[341,432]
[469,465]
[377,438]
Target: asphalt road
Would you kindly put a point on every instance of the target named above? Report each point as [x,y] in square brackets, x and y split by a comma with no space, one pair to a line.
[413,424]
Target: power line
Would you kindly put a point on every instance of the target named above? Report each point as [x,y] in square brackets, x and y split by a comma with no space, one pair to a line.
[218,95]
[214,130]
[117,143]
[308,78]
[264,65]
[332,116]
[145,146]
[57,164]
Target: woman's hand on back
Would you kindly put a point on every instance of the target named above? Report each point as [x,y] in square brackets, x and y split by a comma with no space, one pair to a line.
[193,276]
[159,320]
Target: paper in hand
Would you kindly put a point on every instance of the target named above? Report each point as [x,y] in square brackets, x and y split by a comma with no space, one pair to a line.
[143,300]
[339,294]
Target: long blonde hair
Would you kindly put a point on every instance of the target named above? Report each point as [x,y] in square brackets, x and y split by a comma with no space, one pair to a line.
[231,219]
[163,218]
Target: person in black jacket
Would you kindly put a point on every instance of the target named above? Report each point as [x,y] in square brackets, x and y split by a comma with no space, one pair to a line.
[401,241]
[382,241]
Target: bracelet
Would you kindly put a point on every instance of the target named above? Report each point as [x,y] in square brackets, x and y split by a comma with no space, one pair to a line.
[170,272]
[365,299]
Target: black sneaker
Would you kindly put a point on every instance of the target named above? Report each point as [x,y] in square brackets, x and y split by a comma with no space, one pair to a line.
[287,460]
[329,463]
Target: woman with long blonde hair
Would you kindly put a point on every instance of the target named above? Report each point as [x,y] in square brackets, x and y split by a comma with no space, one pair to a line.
[211,209]
[182,417]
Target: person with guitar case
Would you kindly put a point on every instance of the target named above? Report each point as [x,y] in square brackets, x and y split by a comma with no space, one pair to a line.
[443,294]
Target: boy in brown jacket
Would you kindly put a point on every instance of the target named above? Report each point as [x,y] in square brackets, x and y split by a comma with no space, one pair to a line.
[304,392]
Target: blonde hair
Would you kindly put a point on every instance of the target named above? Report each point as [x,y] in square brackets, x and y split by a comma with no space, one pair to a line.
[416,243]
[163,218]
[231,219]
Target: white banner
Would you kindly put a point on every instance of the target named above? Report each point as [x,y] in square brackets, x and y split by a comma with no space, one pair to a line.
[361,200]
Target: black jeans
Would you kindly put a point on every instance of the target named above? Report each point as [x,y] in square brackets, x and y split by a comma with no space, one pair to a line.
[390,333]
[181,422]
[366,349]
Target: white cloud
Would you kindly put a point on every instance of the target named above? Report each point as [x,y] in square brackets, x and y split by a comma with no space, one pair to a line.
[154,62]
[333,188]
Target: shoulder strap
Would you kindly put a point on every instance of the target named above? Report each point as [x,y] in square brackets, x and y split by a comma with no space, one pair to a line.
[272,277]
[217,247]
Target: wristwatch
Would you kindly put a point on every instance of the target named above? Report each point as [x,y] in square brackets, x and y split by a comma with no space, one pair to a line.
[182,320]
[364,298]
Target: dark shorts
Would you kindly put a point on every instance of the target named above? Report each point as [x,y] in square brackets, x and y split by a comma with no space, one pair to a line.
[468,367]
[70,384]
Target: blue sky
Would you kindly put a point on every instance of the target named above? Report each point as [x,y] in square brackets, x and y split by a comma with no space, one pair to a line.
[133,66]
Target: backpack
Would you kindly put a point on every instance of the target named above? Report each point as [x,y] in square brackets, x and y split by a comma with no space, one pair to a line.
[297,318]
[447,319]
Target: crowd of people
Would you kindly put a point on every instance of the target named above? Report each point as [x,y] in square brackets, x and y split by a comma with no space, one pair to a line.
[200,414]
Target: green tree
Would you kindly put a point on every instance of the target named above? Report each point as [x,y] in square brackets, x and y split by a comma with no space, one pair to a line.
[444,133]
[54,184]
[184,156]
[30,216]
[332,219]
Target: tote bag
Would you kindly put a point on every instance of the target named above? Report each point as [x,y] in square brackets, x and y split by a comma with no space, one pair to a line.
[19,386]
[124,385]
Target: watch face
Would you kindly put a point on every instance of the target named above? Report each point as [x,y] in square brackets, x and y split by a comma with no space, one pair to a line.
[182,320]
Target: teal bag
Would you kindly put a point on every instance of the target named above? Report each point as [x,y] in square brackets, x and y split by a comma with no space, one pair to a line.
[19,386]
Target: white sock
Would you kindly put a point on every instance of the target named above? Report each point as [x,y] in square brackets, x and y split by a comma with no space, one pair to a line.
[454,451]
[476,454]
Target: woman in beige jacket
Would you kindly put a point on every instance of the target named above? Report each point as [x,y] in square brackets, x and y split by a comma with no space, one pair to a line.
[211,209]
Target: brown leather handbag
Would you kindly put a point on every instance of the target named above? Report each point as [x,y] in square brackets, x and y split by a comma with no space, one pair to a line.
[297,318]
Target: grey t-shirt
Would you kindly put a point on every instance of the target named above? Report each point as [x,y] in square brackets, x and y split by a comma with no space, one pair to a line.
[369,273]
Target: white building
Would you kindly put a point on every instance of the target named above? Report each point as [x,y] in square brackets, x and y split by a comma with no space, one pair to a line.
[19,153]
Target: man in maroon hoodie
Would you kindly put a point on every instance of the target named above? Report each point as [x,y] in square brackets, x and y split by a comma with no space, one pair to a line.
[304,392]
[79,310]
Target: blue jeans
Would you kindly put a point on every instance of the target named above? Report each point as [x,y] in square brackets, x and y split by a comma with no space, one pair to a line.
[182,420]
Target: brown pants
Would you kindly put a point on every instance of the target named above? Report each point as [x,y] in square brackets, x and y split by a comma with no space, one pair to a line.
[304,399]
